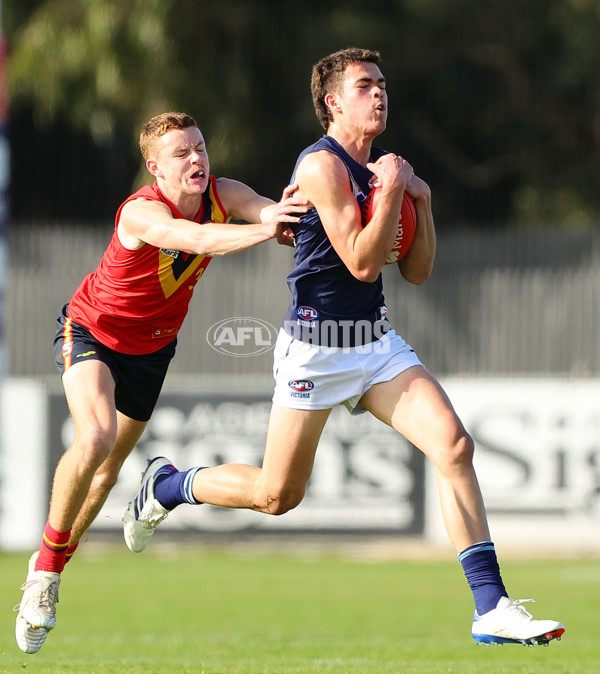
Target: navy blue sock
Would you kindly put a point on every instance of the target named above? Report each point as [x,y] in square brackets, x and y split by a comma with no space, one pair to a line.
[483,575]
[175,487]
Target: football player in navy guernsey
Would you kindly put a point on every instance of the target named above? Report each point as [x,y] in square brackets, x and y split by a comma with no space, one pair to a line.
[337,347]
[118,333]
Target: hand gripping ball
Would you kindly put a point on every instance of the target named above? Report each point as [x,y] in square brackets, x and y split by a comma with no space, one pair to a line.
[407,224]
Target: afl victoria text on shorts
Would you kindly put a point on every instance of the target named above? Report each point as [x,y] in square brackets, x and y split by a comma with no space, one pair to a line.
[313,377]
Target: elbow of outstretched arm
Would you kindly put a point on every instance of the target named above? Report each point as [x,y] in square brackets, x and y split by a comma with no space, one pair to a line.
[215,239]
[201,246]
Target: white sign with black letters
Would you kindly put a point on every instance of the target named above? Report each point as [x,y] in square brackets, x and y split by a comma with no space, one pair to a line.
[537,456]
[366,478]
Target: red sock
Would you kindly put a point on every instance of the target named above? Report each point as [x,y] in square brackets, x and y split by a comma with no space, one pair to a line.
[53,550]
[70,551]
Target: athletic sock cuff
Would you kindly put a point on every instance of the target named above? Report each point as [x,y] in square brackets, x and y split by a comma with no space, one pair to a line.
[188,485]
[483,546]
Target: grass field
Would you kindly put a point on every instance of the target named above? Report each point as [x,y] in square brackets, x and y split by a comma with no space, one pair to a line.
[187,610]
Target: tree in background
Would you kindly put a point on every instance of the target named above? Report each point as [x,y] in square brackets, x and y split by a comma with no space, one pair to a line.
[496,103]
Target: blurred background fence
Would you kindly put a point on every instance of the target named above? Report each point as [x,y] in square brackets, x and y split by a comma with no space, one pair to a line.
[495,104]
[502,302]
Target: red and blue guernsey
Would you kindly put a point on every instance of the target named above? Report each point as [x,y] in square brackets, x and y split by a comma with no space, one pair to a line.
[329,305]
[136,300]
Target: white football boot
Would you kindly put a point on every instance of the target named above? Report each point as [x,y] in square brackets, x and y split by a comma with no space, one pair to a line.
[511,623]
[144,513]
[37,610]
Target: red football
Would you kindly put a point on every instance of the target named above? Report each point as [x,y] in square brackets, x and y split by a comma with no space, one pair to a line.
[406,225]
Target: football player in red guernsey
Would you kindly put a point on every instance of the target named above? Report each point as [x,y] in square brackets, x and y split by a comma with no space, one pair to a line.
[118,333]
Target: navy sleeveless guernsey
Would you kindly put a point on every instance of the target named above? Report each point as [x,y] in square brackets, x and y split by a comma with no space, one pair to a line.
[330,307]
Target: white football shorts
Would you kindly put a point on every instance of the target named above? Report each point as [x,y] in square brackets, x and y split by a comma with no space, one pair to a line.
[312,377]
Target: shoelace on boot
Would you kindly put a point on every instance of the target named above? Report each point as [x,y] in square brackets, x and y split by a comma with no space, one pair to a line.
[46,597]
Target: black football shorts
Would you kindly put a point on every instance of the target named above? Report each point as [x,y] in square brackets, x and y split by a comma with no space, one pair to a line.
[138,378]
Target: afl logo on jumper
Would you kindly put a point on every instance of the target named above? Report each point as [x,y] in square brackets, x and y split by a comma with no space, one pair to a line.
[307,313]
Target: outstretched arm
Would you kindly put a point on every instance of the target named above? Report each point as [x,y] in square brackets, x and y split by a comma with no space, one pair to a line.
[244,203]
[143,221]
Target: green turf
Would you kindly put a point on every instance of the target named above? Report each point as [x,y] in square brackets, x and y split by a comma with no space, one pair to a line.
[222,612]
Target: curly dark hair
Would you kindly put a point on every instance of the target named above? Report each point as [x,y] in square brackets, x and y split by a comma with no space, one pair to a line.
[328,74]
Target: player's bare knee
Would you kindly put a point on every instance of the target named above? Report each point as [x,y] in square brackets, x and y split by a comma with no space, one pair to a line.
[457,454]
[461,452]
[104,480]
[279,506]
[463,449]
[94,445]
[281,503]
